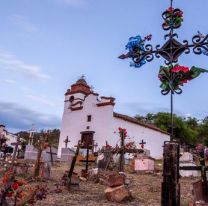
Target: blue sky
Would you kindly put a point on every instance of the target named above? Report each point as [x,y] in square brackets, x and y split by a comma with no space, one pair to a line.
[46,45]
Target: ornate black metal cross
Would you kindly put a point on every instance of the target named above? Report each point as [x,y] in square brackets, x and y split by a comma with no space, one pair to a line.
[172,77]
[141,53]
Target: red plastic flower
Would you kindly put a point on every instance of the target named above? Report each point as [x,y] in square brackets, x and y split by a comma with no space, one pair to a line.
[185,69]
[184,81]
[170,9]
[15,186]
[4,181]
[122,132]
[180,68]
[180,14]
[9,194]
[176,69]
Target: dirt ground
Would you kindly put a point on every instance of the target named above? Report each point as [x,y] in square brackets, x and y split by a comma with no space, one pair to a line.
[145,189]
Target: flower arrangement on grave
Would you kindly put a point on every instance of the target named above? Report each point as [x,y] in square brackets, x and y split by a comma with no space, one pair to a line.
[122,132]
[11,188]
[107,145]
[16,191]
[130,145]
[179,75]
[173,18]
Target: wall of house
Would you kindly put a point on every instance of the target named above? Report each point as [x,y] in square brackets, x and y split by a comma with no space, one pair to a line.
[11,139]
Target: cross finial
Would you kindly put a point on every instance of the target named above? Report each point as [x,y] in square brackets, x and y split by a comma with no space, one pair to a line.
[171,3]
[82,76]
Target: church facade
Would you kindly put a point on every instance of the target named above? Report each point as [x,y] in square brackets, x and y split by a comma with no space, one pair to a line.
[86,111]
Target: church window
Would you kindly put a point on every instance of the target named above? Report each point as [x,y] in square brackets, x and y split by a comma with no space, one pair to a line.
[71,99]
[89,118]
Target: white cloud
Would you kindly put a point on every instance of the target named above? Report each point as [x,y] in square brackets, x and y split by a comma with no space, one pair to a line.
[76,3]
[41,99]
[12,63]
[24,23]
[9,81]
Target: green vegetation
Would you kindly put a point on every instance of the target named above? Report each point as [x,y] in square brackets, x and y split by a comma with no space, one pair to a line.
[53,137]
[186,130]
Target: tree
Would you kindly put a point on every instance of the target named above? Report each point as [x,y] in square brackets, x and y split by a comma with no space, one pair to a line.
[185,131]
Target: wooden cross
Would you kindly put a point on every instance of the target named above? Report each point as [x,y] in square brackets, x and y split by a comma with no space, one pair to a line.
[124,148]
[66,141]
[122,151]
[87,161]
[41,145]
[31,134]
[142,143]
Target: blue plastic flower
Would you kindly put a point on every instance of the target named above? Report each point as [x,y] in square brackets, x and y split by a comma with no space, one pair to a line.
[205,52]
[137,65]
[135,42]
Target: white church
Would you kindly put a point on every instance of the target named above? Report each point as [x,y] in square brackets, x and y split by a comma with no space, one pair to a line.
[86,111]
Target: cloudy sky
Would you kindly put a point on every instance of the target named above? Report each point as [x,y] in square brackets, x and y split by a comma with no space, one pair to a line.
[46,45]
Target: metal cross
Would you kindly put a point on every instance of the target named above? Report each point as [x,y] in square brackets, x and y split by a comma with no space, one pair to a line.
[66,141]
[142,143]
[172,49]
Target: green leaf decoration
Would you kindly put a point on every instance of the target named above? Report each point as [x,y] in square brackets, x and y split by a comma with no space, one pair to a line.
[179,74]
[196,71]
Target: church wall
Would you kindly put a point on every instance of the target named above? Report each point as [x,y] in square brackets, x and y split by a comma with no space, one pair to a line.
[74,122]
[103,122]
[154,139]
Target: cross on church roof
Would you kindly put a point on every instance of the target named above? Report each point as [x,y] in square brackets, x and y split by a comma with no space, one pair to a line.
[82,76]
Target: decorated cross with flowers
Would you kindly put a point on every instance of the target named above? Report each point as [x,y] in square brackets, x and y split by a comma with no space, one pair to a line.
[122,132]
[173,75]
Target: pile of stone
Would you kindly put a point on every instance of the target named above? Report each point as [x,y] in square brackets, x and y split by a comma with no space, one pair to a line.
[117,191]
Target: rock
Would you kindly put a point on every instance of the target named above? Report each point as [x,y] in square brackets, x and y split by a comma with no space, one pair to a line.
[103,181]
[200,203]
[83,179]
[116,180]
[117,194]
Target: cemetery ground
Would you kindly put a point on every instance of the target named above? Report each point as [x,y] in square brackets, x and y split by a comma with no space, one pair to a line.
[145,188]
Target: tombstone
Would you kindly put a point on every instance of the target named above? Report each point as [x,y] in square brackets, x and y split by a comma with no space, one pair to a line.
[47,154]
[144,164]
[31,153]
[146,152]
[67,155]
[187,160]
